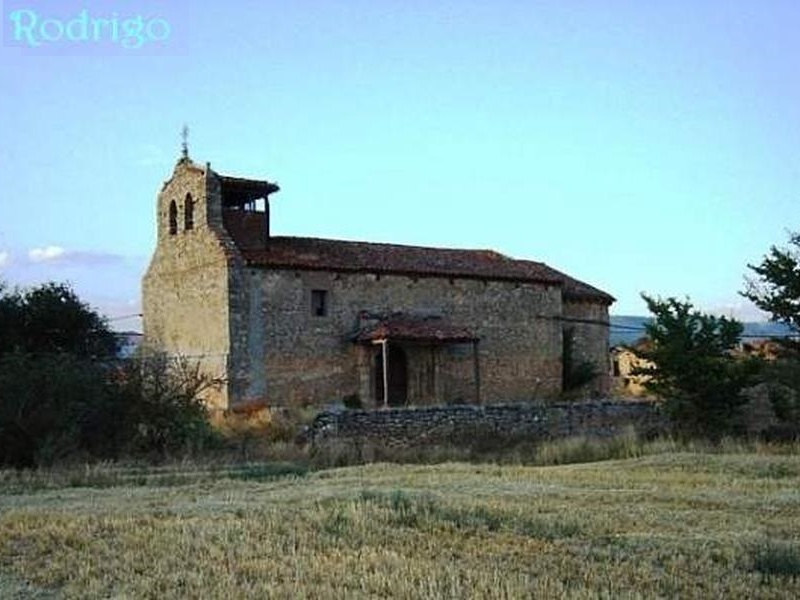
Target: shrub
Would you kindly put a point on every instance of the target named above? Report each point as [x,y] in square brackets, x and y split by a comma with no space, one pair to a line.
[165,409]
[55,407]
[47,405]
[353,402]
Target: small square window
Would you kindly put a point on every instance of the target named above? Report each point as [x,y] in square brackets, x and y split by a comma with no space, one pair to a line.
[319,303]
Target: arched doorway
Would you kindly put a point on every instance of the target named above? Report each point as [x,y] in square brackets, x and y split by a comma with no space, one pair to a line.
[397,375]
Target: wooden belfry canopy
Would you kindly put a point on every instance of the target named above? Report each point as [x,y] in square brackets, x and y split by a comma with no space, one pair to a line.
[240,192]
[429,331]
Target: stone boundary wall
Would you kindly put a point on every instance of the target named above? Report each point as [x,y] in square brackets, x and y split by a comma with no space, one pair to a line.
[432,425]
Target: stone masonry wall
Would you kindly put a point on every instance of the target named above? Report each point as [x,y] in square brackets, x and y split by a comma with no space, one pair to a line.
[411,427]
[185,288]
[591,340]
[289,356]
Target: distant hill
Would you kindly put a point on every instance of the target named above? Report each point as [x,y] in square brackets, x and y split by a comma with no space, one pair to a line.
[626,329]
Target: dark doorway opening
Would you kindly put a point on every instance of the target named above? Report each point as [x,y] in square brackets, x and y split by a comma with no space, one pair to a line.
[397,374]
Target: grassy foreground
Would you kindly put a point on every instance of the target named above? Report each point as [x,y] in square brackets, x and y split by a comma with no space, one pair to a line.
[693,525]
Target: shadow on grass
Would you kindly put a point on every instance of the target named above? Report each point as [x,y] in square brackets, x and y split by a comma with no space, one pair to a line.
[774,558]
[425,511]
[267,471]
[109,475]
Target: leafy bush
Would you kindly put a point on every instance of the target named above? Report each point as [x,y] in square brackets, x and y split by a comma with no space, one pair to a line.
[55,407]
[65,395]
[165,412]
[46,406]
[353,402]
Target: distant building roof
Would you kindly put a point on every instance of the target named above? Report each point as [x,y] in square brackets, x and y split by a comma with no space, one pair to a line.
[366,257]
[127,343]
[642,344]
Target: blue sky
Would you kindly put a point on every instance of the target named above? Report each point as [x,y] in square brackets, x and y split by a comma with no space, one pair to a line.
[641,146]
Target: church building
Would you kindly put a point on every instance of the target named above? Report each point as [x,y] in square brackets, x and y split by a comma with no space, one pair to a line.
[294,321]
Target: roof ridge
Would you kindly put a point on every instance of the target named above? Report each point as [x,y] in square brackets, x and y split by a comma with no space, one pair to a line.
[395,245]
[420,261]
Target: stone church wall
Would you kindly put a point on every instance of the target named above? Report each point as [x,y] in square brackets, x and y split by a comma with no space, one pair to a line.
[185,289]
[284,353]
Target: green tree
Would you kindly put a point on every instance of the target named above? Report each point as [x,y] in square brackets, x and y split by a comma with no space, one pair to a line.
[774,287]
[693,369]
[52,319]
[65,394]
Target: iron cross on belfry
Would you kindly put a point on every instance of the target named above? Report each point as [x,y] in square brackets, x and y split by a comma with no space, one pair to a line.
[185,142]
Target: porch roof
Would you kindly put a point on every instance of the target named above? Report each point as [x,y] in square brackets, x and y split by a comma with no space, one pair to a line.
[409,329]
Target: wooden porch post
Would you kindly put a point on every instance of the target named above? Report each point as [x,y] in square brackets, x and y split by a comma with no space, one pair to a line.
[477,369]
[385,351]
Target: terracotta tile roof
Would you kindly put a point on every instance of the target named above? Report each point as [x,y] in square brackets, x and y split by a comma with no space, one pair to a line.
[366,257]
[575,289]
[410,329]
[237,190]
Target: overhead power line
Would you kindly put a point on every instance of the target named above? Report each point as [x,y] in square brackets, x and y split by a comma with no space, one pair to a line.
[123,317]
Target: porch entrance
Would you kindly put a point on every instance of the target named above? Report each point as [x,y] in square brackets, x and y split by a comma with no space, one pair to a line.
[388,339]
[396,374]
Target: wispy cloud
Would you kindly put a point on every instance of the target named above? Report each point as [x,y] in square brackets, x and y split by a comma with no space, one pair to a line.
[59,255]
[5,258]
[46,254]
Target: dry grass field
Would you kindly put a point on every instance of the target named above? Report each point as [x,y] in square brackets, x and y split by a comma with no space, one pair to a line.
[672,524]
